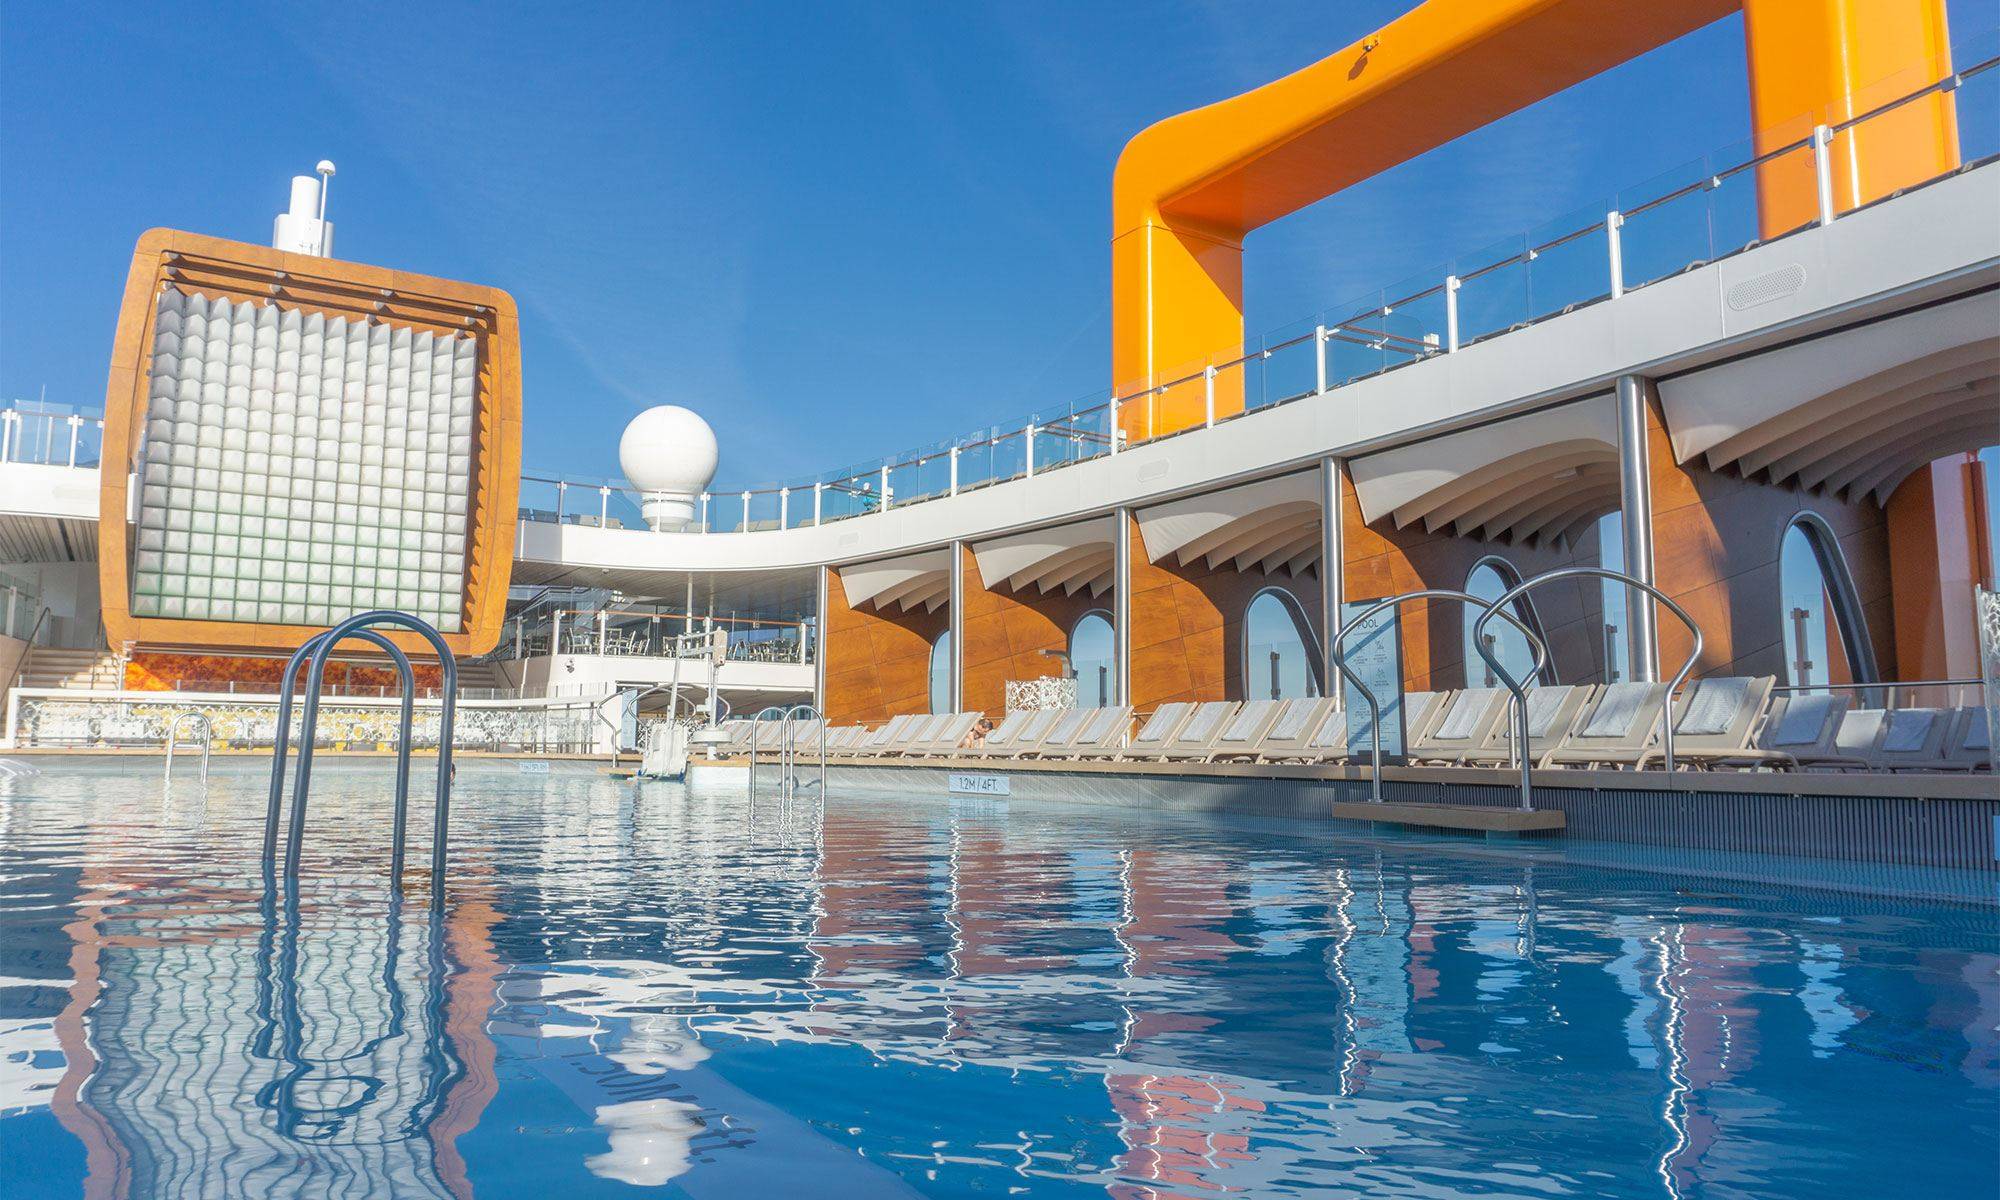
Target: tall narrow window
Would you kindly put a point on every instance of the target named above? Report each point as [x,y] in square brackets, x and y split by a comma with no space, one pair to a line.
[1492,578]
[941,673]
[1823,635]
[1093,660]
[1616,599]
[1989,468]
[1277,662]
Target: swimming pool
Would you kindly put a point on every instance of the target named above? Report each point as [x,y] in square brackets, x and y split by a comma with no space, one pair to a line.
[638,988]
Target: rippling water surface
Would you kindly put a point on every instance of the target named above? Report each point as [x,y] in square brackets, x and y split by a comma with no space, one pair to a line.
[641,991]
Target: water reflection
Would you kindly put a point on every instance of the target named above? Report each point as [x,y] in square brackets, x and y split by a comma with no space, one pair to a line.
[650,989]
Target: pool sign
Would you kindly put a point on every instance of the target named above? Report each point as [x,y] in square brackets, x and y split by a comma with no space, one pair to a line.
[535,767]
[978,785]
[1376,655]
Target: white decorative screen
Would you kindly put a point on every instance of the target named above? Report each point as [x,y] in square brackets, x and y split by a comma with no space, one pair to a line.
[300,468]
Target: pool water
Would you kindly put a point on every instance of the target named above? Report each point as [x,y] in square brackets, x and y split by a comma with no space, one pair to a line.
[639,991]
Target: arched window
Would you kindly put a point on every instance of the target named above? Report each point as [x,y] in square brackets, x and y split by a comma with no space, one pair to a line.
[1615,598]
[1278,663]
[1093,660]
[1825,637]
[1492,578]
[941,673]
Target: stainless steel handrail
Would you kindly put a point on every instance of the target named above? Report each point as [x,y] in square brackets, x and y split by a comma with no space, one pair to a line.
[308,727]
[1520,691]
[281,742]
[173,740]
[1375,704]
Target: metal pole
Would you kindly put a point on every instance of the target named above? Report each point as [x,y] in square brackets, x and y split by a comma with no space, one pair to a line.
[1451,286]
[819,492]
[819,652]
[1028,444]
[1121,602]
[1822,150]
[1332,573]
[603,623]
[603,506]
[884,500]
[1319,358]
[784,508]
[1614,221]
[955,648]
[1635,507]
[954,470]
[1111,424]
[1208,395]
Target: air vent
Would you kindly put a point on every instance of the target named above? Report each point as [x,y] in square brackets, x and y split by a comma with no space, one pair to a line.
[1763,289]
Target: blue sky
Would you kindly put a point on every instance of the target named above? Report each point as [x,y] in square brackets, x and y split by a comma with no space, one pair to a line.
[835,230]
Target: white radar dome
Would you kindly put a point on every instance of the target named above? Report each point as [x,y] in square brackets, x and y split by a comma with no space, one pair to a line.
[669,453]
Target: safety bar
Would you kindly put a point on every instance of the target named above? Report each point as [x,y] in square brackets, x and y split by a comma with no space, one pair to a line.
[1374,702]
[309,724]
[790,753]
[281,742]
[173,739]
[1520,690]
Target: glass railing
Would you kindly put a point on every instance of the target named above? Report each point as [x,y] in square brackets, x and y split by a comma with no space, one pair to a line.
[1704,210]
[651,631]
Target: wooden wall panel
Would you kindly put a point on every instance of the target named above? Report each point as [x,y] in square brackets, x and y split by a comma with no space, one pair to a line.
[1187,626]
[1716,543]
[878,664]
[1005,632]
[1384,561]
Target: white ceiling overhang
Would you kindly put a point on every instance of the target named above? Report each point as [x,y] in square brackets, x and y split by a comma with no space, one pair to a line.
[1070,557]
[910,582]
[1271,525]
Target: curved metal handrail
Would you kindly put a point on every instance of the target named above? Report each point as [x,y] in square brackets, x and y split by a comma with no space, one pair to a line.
[447,711]
[173,740]
[1520,692]
[1375,703]
[790,752]
[281,744]
[754,722]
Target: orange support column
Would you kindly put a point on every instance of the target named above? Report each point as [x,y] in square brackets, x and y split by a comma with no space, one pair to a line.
[1822,62]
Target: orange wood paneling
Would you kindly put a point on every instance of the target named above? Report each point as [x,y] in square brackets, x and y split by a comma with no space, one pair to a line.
[878,664]
[242,271]
[1934,523]
[1006,631]
[1716,543]
[1187,626]
[1384,561]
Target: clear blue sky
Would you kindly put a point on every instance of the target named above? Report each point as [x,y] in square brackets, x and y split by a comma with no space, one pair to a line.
[836,230]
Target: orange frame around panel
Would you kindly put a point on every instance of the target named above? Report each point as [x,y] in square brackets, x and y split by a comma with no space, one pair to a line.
[216,266]
[1190,188]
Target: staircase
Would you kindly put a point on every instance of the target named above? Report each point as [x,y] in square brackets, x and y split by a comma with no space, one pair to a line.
[86,670]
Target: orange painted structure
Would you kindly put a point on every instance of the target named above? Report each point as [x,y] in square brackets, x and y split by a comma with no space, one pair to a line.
[1189,189]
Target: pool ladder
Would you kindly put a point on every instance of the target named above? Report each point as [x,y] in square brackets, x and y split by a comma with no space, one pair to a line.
[1502,607]
[315,651]
[789,783]
[201,722]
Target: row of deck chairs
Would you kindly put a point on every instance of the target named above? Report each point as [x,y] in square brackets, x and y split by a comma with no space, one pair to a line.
[1721,722]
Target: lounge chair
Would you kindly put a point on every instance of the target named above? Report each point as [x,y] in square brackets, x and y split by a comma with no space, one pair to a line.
[1420,711]
[1158,730]
[1103,733]
[1714,721]
[892,732]
[1328,740]
[1296,722]
[1552,710]
[1196,739]
[1031,732]
[1067,727]
[1466,719]
[1243,736]
[1616,728]
[1969,745]
[1003,734]
[1806,728]
[920,734]
[1912,739]
[948,735]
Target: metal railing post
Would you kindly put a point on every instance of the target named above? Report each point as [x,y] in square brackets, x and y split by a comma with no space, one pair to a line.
[1319,358]
[819,493]
[1614,238]
[954,470]
[885,488]
[1208,396]
[1822,151]
[1028,446]
[1451,285]
[704,512]
[603,506]
[562,499]
[75,432]
[1111,425]
[784,508]
[745,526]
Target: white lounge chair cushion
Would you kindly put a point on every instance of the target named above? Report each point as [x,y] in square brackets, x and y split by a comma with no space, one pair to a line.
[1977,735]
[1008,730]
[1066,726]
[1858,731]
[1463,714]
[1205,719]
[1292,722]
[1619,710]
[1909,730]
[1713,707]
[1246,720]
[1544,706]
[1332,731]
[1155,728]
[1805,718]
[1100,724]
